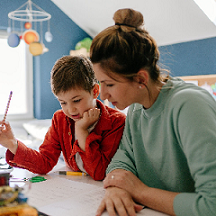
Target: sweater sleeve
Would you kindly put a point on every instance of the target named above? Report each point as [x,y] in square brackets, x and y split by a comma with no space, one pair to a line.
[124,157]
[40,162]
[196,124]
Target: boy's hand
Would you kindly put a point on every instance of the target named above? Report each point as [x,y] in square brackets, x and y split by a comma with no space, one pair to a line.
[88,119]
[7,138]
[81,126]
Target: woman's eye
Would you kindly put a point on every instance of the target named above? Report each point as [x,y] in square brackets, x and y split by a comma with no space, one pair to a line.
[62,103]
[109,85]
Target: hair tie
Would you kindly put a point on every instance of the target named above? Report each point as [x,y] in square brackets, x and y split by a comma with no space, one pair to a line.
[122,24]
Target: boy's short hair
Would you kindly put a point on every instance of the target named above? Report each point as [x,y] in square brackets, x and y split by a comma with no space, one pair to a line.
[72,72]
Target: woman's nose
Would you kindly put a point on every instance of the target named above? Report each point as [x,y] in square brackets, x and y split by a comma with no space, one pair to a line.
[103,94]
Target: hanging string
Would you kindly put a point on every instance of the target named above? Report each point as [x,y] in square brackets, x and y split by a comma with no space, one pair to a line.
[35,26]
[13,26]
[41,31]
[21,27]
[9,26]
[48,28]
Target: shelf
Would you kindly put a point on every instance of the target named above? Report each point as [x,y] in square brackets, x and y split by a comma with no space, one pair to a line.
[202,79]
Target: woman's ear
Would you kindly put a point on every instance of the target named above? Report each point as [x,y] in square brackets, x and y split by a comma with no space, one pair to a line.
[142,77]
[96,90]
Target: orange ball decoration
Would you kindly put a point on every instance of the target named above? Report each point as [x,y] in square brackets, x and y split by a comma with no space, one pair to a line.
[30,36]
[27,25]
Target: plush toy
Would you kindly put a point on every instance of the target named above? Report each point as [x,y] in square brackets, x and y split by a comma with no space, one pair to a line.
[82,47]
[85,43]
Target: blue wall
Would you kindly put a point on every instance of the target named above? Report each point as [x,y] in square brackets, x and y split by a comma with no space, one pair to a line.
[65,36]
[190,58]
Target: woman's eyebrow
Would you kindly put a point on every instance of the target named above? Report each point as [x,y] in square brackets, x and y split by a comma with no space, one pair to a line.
[104,81]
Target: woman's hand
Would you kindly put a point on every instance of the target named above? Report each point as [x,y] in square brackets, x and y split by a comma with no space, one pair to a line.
[120,201]
[154,198]
[7,138]
[125,180]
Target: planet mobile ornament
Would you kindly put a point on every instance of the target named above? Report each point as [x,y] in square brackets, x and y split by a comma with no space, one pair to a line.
[30,14]
[45,49]
[13,40]
[48,36]
[8,29]
[36,48]
[27,25]
[30,36]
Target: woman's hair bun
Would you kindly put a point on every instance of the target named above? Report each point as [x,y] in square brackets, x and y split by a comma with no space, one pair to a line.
[128,17]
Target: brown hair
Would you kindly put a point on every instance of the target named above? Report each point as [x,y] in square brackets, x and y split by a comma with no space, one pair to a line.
[126,47]
[72,72]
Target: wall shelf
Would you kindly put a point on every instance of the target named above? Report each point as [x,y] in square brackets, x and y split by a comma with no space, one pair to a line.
[202,79]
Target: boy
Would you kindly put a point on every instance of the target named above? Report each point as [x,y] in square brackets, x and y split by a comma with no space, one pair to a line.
[85,130]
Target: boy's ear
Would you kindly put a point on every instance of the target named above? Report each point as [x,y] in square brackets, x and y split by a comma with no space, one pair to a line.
[96,90]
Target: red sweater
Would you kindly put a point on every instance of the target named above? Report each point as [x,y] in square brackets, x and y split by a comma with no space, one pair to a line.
[100,147]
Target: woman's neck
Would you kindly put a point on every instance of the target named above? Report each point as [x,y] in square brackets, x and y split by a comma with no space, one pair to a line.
[152,94]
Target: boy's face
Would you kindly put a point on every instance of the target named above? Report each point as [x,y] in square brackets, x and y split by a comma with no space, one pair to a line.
[75,102]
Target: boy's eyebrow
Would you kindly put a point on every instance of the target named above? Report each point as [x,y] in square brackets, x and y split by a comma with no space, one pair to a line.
[71,98]
[75,96]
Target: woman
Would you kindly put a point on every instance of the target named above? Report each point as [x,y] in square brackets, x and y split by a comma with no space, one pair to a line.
[166,159]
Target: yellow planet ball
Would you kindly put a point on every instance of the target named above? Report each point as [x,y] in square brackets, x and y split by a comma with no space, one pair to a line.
[36,48]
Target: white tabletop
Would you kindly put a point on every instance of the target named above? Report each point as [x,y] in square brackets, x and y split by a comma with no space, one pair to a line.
[75,200]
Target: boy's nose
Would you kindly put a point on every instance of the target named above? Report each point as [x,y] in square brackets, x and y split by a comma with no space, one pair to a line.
[72,110]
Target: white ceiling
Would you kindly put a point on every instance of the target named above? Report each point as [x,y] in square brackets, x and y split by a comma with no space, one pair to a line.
[168,21]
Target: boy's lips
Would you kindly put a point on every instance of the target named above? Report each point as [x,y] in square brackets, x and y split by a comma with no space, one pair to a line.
[76,116]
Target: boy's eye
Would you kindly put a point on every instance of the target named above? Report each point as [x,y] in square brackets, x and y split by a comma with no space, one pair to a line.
[76,101]
[62,103]
[109,85]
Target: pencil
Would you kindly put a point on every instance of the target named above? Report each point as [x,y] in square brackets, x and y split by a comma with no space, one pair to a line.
[7,107]
[71,173]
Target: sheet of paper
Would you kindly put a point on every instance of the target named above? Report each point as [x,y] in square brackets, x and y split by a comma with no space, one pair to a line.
[59,196]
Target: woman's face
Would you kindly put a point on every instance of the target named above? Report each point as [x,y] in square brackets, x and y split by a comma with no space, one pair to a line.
[119,91]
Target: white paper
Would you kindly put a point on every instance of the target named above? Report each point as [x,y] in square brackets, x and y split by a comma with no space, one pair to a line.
[59,196]
[64,197]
